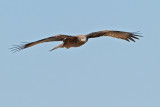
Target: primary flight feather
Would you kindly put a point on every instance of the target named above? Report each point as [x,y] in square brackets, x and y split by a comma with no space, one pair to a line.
[79,40]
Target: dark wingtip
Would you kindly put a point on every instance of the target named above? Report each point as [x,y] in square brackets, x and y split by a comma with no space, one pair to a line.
[138,33]
[135,35]
[16,48]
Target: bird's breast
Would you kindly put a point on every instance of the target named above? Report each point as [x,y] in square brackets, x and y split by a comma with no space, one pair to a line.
[73,43]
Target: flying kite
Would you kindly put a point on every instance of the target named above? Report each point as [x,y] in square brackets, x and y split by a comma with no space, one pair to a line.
[79,40]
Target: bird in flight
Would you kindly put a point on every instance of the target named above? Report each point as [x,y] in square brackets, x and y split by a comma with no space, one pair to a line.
[79,40]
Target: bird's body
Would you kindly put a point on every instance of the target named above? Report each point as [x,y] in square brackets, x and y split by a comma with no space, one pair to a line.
[76,41]
[79,40]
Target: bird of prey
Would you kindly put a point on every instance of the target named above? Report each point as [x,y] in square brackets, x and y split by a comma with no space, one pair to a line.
[79,40]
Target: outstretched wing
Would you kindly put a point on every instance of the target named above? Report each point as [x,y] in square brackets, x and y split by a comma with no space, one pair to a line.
[117,34]
[49,39]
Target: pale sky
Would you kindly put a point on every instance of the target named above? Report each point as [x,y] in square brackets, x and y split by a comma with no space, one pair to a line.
[105,72]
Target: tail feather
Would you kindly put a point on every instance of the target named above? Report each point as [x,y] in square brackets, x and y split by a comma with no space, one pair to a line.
[59,46]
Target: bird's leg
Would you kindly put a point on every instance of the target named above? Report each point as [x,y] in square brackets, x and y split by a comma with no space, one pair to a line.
[59,46]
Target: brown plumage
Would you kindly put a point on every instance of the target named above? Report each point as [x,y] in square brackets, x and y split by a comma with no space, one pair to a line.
[79,40]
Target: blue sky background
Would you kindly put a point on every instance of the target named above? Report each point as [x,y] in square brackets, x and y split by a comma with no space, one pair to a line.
[105,72]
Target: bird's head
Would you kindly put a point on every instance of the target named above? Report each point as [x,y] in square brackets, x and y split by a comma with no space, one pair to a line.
[82,38]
